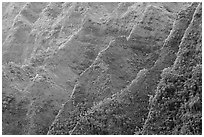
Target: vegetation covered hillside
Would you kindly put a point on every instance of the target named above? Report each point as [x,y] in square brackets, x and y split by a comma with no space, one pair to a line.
[101,68]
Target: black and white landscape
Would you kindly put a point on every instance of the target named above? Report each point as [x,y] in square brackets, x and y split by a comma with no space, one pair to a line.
[96,68]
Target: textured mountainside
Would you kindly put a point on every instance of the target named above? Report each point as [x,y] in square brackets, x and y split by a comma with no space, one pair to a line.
[101,68]
[178,97]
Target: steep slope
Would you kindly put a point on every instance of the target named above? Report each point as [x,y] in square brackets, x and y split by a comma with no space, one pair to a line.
[44,93]
[46,99]
[130,108]
[9,12]
[68,45]
[16,41]
[14,104]
[26,92]
[121,113]
[84,68]
[115,67]
[177,106]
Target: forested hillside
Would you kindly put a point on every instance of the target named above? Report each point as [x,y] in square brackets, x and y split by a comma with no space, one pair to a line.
[97,68]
